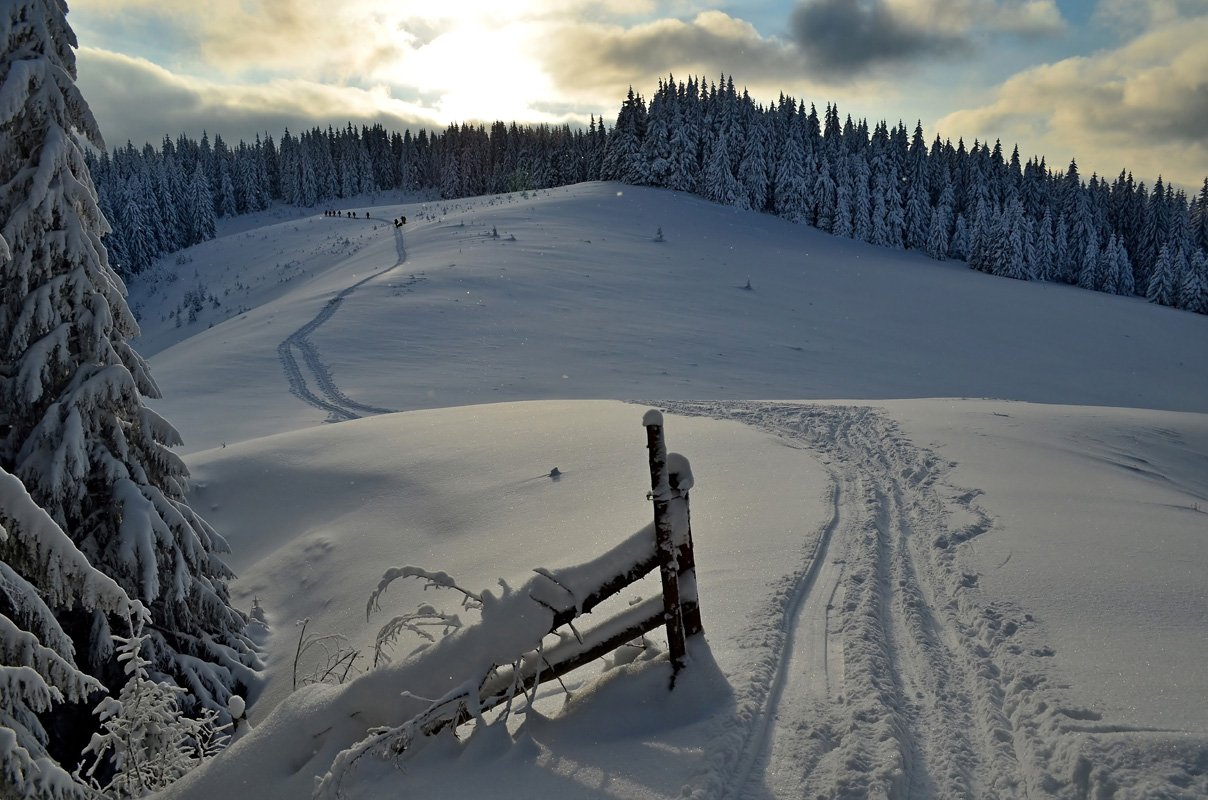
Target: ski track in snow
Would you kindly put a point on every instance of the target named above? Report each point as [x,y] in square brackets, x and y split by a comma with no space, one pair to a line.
[887,673]
[339,406]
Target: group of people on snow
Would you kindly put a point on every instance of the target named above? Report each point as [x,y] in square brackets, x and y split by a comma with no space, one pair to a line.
[398,223]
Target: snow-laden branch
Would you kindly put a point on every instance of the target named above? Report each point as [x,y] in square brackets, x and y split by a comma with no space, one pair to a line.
[434,580]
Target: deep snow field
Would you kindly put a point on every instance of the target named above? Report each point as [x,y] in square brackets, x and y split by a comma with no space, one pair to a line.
[997,593]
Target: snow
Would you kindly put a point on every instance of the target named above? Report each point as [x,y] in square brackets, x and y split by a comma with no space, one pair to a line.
[1065,484]
[901,595]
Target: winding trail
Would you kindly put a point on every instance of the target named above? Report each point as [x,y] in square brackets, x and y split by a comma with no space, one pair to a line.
[330,398]
[890,674]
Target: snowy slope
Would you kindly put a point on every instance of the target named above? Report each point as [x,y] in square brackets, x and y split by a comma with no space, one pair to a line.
[928,598]
[585,304]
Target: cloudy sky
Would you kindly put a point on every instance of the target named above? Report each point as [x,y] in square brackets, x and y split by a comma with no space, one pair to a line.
[1116,83]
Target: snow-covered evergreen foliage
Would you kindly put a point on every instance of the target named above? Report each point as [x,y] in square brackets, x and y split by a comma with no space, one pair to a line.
[144,735]
[75,430]
[1161,283]
[42,575]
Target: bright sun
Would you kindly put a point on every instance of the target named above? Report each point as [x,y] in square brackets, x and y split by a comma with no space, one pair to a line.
[480,73]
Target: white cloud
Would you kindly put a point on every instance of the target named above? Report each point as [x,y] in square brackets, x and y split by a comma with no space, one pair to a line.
[1133,15]
[1141,106]
[136,100]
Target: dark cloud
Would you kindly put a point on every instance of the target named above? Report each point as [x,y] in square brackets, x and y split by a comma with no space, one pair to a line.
[605,59]
[850,38]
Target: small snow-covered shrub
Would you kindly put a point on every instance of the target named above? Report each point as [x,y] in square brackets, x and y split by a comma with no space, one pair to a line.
[144,735]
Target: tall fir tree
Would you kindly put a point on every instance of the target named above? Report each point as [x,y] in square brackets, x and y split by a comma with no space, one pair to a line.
[753,169]
[1193,290]
[917,211]
[842,224]
[825,193]
[622,157]
[684,167]
[1045,247]
[656,147]
[200,207]
[862,198]
[792,195]
[1063,256]
[938,240]
[75,429]
[1155,233]
[1108,270]
[1199,218]
[720,184]
[1161,285]
[1088,263]
[959,246]
[980,237]
[136,229]
[1124,271]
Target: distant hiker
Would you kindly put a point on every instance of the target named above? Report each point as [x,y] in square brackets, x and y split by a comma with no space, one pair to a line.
[404,220]
[366,215]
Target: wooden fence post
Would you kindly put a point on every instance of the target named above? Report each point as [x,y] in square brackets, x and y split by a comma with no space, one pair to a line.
[664,534]
[687,567]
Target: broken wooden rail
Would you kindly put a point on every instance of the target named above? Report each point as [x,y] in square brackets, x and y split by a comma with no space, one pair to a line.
[572,592]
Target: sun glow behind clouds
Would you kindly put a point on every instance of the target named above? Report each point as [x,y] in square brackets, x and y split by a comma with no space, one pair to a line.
[464,59]
[479,73]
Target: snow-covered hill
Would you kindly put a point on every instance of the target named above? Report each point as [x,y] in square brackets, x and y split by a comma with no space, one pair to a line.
[902,596]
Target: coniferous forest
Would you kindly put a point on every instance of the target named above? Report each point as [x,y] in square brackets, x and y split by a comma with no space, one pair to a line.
[884,185]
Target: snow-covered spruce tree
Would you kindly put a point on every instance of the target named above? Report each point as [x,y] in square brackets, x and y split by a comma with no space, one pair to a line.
[73,427]
[1062,267]
[1088,265]
[753,170]
[1193,291]
[862,200]
[199,207]
[42,574]
[1161,286]
[1108,268]
[1125,283]
[791,195]
[720,185]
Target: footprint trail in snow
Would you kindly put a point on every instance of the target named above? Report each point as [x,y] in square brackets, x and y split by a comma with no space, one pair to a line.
[888,674]
[330,398]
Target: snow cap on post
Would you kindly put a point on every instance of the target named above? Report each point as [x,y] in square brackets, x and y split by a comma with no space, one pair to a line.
[679,472]
[652,417]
